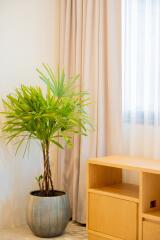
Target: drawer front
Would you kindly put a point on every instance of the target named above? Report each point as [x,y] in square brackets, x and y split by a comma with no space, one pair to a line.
[112,216]
[151,230]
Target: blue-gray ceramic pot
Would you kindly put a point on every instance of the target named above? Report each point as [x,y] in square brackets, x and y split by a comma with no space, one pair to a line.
[48,216]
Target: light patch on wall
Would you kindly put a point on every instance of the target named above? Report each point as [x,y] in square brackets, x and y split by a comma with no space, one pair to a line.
[28,36]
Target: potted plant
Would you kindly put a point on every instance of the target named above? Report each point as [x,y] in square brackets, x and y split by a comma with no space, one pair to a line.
[59,113]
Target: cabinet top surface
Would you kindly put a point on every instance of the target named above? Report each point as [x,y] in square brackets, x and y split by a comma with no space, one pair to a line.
[127,162]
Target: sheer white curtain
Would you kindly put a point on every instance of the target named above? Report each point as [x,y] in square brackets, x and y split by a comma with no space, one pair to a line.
[141,77]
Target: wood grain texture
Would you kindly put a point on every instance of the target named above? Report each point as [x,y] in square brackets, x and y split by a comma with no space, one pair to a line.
[48,216]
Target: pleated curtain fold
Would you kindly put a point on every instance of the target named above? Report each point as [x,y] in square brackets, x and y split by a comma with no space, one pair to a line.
[84,49]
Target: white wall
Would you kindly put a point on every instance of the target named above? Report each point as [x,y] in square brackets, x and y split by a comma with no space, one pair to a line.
[29,36]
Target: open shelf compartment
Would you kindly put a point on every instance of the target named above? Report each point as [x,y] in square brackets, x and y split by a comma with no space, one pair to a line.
[108,181]
[151,196]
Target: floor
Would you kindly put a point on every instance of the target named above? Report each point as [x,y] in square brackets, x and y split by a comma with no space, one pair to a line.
[73,232]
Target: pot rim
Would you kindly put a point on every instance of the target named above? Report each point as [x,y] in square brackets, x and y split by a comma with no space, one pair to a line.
[58,191]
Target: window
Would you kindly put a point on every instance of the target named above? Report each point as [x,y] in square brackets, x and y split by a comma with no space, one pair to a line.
[141,61]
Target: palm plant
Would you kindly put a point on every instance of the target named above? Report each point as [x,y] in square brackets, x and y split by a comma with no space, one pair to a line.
[57,113]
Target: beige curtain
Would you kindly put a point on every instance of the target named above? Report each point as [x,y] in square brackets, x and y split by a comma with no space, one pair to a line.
[84,49]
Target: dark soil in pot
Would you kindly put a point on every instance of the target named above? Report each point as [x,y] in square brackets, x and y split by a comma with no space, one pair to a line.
[50,193]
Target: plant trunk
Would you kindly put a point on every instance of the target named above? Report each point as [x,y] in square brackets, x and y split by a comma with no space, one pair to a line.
[47,183]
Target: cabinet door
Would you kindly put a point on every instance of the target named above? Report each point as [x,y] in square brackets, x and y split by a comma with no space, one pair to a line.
[112,216]
[151,230]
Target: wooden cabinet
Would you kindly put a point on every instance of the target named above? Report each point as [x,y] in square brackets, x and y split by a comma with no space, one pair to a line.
[118,210]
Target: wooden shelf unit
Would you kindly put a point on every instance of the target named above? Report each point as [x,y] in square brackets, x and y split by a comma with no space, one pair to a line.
[119,210]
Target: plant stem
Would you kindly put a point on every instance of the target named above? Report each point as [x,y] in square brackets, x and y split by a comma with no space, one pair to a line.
[47,182]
